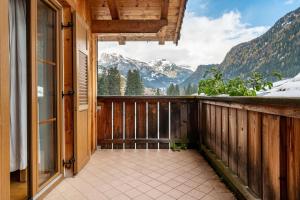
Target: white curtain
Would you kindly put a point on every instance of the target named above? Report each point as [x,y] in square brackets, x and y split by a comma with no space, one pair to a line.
[18,96]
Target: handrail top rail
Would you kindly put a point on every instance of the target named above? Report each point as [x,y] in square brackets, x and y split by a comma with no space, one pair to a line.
[274,101]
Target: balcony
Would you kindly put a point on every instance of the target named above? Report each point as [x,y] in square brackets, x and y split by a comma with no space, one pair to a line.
[252,143]
[144,174]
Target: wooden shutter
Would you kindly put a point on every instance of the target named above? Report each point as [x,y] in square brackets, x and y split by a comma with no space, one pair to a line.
[81,74]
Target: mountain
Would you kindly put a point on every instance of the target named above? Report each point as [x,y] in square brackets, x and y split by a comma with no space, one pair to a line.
[197,75]
[284,88]
[155,74]
[278,49]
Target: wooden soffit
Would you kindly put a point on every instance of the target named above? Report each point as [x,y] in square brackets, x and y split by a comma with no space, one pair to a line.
[137,20]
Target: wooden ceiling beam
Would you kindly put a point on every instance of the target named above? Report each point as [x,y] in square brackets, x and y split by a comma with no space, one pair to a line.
[113,9]
[127,26]
[164,9]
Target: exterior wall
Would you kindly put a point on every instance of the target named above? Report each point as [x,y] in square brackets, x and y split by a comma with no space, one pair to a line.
[4,102]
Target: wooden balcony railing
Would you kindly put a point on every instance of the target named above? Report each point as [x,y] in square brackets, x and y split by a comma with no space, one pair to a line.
[254,143]
[146,122]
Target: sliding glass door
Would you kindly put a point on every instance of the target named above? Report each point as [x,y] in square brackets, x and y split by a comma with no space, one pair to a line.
[47,62]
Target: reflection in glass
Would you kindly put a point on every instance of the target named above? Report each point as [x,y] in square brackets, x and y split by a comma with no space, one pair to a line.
[47,90]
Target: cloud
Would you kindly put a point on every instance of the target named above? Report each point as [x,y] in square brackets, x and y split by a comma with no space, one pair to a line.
[203,41]
[289,1]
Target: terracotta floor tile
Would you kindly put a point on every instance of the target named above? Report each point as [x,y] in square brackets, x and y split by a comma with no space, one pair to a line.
[143,197]
[133,193]
[121,197]
[154,193]
[175,193]
[164,188]
[143,188]
[112,193]
[196,194]
[165,197]
[143,175]
[187,197]
[184,188]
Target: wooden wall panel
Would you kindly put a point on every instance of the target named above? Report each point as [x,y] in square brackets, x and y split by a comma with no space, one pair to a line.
[105,124]
[184,121]
[118,123]
[202,123]
[141,122]
[293,159]
[271,157]
[254,152]
[219,131]
[213,127]
[152,123]
[164,120]
[232,140]
[207,126]
[129,122]
[4,103]
[152,120]
[242,134]
[175,120]
[225,136]
[193,124]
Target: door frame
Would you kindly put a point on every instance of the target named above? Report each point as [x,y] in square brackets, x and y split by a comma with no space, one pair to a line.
[4,103]
[36,190]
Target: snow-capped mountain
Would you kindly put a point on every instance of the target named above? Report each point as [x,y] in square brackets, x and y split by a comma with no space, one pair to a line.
[156,74]
[284,88]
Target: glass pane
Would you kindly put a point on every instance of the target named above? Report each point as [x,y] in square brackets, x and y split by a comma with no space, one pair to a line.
[47,92]
[47,152]
[46,32]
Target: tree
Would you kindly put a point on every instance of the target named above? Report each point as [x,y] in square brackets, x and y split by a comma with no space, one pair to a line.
[177,90]
[173,90]
[170,90]
[158,92]
[190,89]
[114,81]
[102,85]
[135,85]
[129,84]
[138,83]
[216,85]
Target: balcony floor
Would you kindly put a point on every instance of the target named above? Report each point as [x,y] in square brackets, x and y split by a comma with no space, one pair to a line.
[143,174]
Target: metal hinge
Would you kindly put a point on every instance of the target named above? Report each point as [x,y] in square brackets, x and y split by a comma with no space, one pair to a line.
[68,25]
[69,93]
[68,163]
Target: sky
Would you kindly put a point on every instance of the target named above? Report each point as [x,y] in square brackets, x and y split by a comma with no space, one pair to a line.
[210,29]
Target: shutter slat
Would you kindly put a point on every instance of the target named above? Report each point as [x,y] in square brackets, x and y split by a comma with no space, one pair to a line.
[83,79]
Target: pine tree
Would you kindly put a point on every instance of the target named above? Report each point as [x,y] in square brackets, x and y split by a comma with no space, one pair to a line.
[114,81]
[177,91]
[190,89]
[140,85]
[157,93]
[135,85]
[171,90]
[129,84]
[102,85]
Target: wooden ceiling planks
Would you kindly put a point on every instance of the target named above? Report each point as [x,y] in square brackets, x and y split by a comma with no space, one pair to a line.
[119,13]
